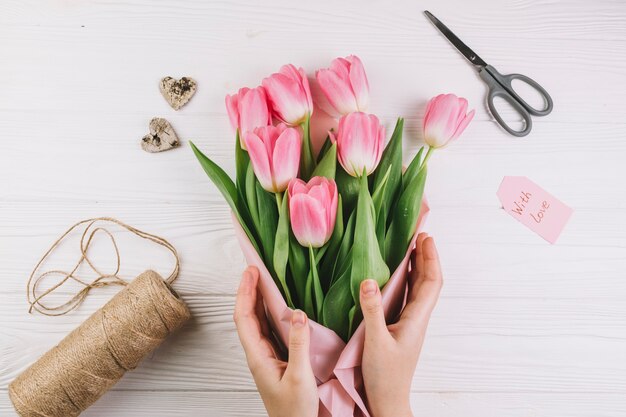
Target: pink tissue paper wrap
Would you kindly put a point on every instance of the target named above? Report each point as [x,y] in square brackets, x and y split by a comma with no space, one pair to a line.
[336,364]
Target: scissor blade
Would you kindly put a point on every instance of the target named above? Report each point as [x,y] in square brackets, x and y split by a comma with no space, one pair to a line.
[454,40]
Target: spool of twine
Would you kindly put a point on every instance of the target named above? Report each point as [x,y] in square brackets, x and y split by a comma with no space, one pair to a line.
[92,358]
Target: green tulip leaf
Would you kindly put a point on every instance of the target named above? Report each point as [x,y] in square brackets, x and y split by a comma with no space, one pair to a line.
[281,250]
[367,261]
[298,267]
[268,222]
[328,253]
[309,306]
[348,187]
[242,162]
[307,162]
[343,255]
[390,161]
[379,209]
[227,188]
[335,239]
[354,319]
[327,166]
[404,221]
[250,193]
[222,181]
[337,303]
[379,192]
[325,147]
[413,169]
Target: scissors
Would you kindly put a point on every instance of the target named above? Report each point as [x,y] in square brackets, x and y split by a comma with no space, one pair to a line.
[499,85]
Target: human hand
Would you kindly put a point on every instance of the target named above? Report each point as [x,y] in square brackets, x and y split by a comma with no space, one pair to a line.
[391,352]
[288,389]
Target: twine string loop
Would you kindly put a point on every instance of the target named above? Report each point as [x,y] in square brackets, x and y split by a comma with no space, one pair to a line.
[92,227]
[114,339]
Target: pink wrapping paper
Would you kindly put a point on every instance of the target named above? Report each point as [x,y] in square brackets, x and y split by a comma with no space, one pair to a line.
[336,365]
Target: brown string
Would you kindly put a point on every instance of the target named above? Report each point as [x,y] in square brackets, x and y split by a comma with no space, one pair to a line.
[91,359]
[102,280]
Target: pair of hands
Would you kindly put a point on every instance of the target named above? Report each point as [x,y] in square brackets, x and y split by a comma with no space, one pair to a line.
[390,351]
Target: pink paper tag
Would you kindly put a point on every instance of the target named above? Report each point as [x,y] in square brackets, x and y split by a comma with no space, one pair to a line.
[534,207]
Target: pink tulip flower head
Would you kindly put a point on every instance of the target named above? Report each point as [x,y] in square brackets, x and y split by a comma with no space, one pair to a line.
[289,95]
[275,155]
[360,142]
[247,110]
[345,85]
[445,119]
[313,210]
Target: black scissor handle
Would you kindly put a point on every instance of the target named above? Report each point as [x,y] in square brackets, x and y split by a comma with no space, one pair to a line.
[507,82]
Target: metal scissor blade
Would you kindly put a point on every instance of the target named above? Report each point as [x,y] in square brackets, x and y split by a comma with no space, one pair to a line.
[458,44]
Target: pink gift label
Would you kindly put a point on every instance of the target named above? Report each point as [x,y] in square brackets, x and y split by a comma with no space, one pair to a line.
[534,207]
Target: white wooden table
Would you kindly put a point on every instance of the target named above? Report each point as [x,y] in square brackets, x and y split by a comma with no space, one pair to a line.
[523,328]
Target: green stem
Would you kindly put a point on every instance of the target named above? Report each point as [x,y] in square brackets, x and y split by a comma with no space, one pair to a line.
[318,293]
[307,163]
[427,157]
[279,200]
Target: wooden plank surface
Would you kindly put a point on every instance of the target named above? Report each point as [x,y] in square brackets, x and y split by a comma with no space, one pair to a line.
[236,404]
[523,328]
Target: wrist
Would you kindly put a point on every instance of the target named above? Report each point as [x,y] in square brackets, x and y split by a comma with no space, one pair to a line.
[395,411]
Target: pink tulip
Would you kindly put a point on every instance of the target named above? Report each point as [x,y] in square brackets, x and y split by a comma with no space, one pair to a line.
[313,210]
[289,95]
[445,119]
[360,142]
[275,155]
[248,109]
[345,85]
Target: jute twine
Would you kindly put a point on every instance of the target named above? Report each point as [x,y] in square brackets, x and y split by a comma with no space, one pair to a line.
[91,228]
[92,358]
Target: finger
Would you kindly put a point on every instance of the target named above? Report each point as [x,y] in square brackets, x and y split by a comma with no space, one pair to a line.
[425,293]
[417,262]
[299,363]
[372,308]
[246,320]
[259,309]
[264,323]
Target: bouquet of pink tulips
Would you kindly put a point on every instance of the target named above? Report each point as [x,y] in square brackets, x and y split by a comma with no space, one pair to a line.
[321,227]
[316,228]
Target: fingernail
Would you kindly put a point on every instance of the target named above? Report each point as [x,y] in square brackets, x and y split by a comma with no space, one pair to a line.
[298,318]
[369,287]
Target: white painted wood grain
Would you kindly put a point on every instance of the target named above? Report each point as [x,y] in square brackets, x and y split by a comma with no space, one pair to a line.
[506,260]
[523,328]
[226,404]
[474,345]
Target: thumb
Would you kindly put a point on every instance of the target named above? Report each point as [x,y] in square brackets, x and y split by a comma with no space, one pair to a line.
[299,363]
[372,307]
